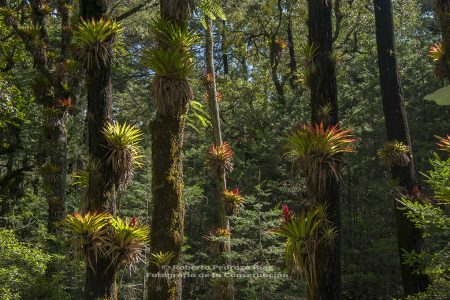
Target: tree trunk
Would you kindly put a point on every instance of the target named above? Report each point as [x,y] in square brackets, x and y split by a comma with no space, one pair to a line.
[101,189]
[100,278]
[274,57]
[100,281]
[323,79]
[292,60]
[54,171]
[224,48]
[408,236]
[167,191]
[167,179]
[442,12]
[220,219]
[323,93]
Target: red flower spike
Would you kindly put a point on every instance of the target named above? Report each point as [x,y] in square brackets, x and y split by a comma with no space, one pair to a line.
[286,213]
[415,192]
[236,191]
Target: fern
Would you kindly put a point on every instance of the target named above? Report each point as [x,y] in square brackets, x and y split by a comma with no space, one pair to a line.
[209,9]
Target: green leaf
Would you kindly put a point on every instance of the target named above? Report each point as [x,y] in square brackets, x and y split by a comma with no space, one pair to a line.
[440,96]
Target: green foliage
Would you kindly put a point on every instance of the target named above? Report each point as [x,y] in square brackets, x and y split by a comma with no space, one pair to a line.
[90,230]
[209,9]
[222,288]
[440,96]
[123,151]
[81,178]
[434,221]
[94,41]
[126,242]
[15,106]
[161,258]
[172,61]
[304,234]
[172,58]
[438,177]
[395,154]
[123,242]
[198,116]
[169,63]
[317,151]
[21,265]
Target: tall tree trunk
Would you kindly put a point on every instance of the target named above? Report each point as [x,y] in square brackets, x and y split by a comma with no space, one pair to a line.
[55,170]
[224,48]
[54,144]
[274,57]
[167,177]
[408,236]
[101,189]
[220,218]
[442,11]
[292,59]
[323,93]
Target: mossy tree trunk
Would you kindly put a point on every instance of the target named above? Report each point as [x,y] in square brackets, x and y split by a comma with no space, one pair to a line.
[324,93]
[167,131]
[48,92]
[408,236]
[100,277]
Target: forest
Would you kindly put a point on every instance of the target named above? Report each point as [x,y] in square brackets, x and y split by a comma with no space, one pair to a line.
[224,149]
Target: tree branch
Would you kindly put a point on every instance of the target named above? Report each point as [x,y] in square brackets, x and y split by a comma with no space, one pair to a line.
[134,10]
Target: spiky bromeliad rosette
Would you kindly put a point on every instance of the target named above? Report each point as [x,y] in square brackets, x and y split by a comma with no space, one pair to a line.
[233,200]
[395,154]
[219,238]
[122,241]
[172,62]
[219,158]
[304,233]
[317,150]
[123,151]
[96,40]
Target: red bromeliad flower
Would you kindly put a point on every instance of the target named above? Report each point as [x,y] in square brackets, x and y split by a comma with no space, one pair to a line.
[286,213]
[415,192]
[236,191]
[133,222]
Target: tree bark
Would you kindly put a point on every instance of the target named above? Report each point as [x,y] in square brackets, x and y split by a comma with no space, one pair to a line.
[292,59]
[224,48]
[167,179]
[101,194]
[100,281]
[220,219]
[168,206]
[323,92]
[408,236]
[442,12]
[323,80]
